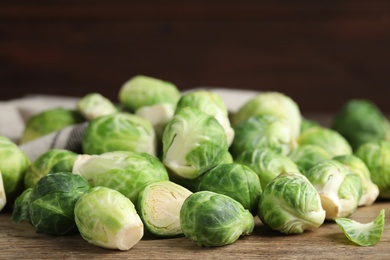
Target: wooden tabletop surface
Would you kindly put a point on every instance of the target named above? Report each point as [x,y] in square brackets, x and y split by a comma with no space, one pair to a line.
[20,241]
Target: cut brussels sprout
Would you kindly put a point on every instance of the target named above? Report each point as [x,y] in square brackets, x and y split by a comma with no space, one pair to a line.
[267,164]
[50,204]
[360,121]
[376,156]
[49,121]
[273,103]
[119,132]
[290,204]
[339,189]
[95,105]
[53,160]
[210,103]
[307,156]
[236,181]
[367,234]
[141,91]
[355,165]
[193,142]
[3,197]
[330,140]
[159,205]
[13,165]
[108,219]
[124,171]
[212,219]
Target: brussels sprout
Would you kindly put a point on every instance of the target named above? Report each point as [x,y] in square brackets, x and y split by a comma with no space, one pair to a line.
[119,132]
[141,91]
[124,171]
[273,103]
[50,204]
[376,156]
[330,140]
[307,124]
[267,164]
[159,205]
[49,121]
[307,156]
[355,165]
[95,105]
[290,204]
[361,121]
[193,142]
[13,165]
[53,160]
[210,103]
[339,189]
[3,197]
[212,219]
[236,181]
[263,131]
[227,158]
[108,219]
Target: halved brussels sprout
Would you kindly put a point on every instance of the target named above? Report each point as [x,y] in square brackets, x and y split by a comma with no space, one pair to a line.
[159,205]
[273,103]
[306,156]
[119,132]
[108,219]
[49,121]
[330,140]
[290,204]
[339,189]
[210,103]
[212,219]
[236,181]
[267,164]
[355,165]
[125,171]
[13,165]
[361,121]
[53,160]
[193,142]
[3,197]
[50,204]
[376,156]
[95,105]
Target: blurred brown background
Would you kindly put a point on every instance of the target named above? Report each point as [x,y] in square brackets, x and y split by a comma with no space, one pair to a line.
[320,53]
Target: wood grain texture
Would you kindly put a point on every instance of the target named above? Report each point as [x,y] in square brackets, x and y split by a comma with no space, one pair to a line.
[320,53]
[20,241]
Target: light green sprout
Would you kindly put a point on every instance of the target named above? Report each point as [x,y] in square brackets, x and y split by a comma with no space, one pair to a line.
[95,105]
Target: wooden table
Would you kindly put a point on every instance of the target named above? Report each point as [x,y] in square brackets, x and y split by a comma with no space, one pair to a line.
[20,241]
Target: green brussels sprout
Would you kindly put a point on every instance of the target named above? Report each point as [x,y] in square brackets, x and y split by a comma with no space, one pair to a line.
[3,197]
[125,171]
[236,181]
[119,132]
[49,121]
[274,103]
[376,156]
[108,219]
[13,165]
[49,207]
[210,103]
[267,164]
[212,219]
[330,140]
[193,142]
[361,121]
[307,156]
[159,205]
[339,189]
[227,158]
[53,160]
[356,165]
[263,131]
[290,204]
[307,124]
[141,91]
[95,105]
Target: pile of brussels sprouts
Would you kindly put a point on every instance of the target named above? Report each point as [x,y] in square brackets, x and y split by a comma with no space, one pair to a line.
[175,164]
